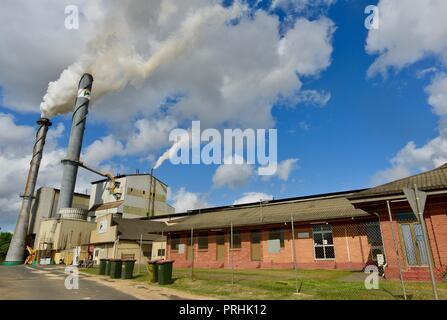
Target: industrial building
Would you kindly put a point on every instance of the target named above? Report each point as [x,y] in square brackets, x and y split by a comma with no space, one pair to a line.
[130,196]
[135,239]
[44,206]
[399,223]
[64,239]
[128,217]
[348,230]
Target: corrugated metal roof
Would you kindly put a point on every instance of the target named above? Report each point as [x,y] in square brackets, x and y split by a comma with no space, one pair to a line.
[310,210]
[133,229]
[435,179]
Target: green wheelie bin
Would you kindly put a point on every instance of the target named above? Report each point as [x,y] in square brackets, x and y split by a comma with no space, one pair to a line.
[116,266]
[107,272]
[165,271]
[152,268]
[102,266]
[128,269]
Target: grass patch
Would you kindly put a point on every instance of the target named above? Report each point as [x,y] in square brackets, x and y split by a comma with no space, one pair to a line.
[281,284]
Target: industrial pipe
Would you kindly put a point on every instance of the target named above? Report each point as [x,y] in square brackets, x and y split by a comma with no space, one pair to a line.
[71,163]
[16,251]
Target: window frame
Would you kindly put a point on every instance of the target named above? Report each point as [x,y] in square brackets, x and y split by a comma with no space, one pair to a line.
[174,237]
[236,244]
[202,236]
[280,232]
[323,229]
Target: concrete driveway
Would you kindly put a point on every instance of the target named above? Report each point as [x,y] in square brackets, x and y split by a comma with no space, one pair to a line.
[48,283]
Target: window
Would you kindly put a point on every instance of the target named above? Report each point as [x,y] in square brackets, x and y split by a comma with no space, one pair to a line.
[277,234]
[175,241]
[236,239]
[203,240]
[147,250]
[373,233]
[323,242]
[161,252]
[374,239]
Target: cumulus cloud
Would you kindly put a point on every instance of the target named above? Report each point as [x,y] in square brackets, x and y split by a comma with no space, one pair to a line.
[409,31]
[437,92]
[250,197]
[216,76]
[233,175]
[284,169]
[150,135]
[102,149]
[183,201]
[412,159]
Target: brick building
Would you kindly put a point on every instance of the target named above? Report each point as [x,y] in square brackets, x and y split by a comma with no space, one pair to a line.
[401,230]
[329,233]
[346,230]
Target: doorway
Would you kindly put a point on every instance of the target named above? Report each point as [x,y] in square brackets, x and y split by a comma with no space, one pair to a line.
[220,246]
[413,239]
[255,239]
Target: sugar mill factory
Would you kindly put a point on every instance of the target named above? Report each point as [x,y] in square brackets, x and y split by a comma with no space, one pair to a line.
[64,226]
[128,217]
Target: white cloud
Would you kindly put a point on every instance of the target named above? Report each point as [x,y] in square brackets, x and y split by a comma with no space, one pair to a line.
[150,135]
[437,92]
[215,86]
[408,32]
[184,201]
[233,175]
[250,197]
[412,159]
[284,169]
[102,149]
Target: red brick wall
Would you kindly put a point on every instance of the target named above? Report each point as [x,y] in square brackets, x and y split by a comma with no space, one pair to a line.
[436,220]
[346,234]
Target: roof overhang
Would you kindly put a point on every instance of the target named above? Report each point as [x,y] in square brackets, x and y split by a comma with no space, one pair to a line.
[397,196]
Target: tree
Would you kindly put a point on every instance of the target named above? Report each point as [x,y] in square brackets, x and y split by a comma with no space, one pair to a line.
[5,239]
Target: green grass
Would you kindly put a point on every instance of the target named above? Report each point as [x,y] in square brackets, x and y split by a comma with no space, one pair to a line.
[281,284]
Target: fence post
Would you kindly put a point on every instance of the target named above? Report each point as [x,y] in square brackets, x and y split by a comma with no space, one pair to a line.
[397,250]
[192,253]
[231,252]
[141,249]
[294,254]
[427,243]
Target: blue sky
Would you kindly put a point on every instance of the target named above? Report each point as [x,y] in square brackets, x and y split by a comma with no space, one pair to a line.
[352,141]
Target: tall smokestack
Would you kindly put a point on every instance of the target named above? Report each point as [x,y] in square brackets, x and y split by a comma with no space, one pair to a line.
[71,163]
[16,250]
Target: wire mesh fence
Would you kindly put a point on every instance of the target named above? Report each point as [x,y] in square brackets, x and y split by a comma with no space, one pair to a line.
[339,260]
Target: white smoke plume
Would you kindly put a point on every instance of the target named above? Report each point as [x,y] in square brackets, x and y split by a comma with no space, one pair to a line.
[114,63]
[182,142]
